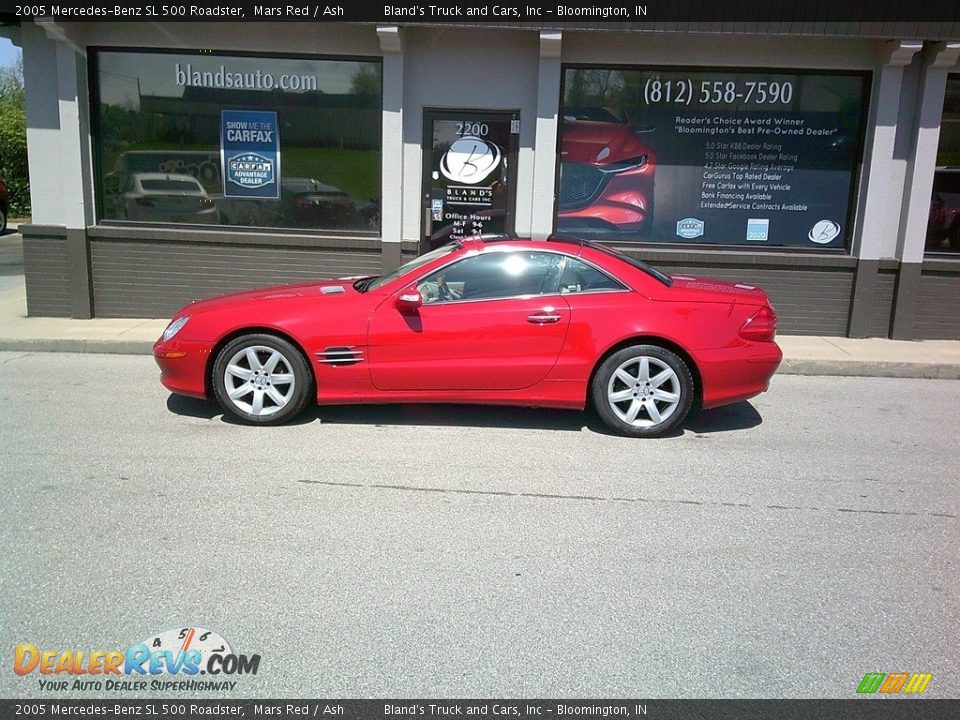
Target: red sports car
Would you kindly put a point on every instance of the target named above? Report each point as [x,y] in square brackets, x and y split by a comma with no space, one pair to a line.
[483,320]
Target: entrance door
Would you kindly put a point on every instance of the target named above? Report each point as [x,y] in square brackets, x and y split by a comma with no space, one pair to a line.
[469,174]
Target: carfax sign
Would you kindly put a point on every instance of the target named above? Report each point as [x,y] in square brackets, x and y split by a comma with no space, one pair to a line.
[250,154]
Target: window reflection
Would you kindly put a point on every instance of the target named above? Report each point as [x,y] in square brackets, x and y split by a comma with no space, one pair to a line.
[158,127]
[943,225]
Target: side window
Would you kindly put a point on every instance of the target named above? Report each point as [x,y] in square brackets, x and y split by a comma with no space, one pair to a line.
[494,275]
[579,277]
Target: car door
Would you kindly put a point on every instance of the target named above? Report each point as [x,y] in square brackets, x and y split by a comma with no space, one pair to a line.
[493,321]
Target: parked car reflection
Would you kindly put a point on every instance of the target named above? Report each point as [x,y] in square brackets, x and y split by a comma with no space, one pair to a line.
[309,203]
[163,197]
[303,203]
[4,203]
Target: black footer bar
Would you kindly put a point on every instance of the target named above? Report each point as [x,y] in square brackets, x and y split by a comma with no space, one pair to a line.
[853,709]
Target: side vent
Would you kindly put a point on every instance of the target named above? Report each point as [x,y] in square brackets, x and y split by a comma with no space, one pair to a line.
[332,290]
[340,355]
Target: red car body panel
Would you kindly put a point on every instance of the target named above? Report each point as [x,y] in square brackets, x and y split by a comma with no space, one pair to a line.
[427,350]
[484,351]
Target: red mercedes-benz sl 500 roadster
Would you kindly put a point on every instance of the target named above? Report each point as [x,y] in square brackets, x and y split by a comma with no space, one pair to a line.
[506,321]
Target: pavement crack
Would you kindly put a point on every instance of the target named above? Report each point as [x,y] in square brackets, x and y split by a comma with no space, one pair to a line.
[837,347]
[611,499]
[869,512]
[16,357]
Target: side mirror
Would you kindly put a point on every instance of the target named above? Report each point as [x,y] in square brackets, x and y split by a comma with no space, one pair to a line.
[410,299]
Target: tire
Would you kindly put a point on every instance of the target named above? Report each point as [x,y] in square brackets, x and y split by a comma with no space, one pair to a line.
[277,379]
[3,220]
[658,397]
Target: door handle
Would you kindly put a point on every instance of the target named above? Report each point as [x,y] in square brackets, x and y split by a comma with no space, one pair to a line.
[543,318]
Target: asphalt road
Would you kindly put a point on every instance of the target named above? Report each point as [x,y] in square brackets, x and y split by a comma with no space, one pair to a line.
[778,548]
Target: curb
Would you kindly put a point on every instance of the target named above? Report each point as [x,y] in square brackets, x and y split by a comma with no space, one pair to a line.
[789,366]
[68,345]
[870,368]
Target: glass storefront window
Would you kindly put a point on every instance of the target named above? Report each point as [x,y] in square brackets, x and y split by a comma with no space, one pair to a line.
[758,158]
[943,227]
[237,140]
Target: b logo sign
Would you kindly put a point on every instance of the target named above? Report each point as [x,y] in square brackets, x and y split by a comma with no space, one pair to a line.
[469,160]
[823,232]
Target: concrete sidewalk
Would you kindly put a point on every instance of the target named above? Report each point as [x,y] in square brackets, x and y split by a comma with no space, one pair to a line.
[803,355]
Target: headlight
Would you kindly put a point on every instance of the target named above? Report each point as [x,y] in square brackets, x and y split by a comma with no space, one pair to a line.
[634,163]
[174,327]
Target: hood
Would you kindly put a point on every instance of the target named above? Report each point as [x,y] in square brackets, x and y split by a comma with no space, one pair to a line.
[599,143]
[276,293]
[685,287]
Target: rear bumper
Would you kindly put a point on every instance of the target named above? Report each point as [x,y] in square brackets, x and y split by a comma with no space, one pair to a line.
[734,374]
[183,366]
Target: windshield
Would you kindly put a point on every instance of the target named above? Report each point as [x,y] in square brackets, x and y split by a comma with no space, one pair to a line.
[175,185]
[365,285]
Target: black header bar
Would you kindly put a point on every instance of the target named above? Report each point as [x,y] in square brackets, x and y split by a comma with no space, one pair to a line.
[508,12]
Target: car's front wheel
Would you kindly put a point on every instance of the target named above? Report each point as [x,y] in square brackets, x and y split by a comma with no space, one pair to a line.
[261,379]
[643,391]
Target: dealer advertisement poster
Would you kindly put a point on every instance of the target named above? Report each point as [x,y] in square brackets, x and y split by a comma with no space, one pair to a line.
[250,154]
[734,157]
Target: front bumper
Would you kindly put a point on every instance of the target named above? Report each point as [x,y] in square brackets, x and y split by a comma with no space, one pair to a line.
[622,203]
[183,366]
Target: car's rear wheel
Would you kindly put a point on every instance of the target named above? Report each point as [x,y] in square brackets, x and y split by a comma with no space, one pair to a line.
[261,379]
[643,391]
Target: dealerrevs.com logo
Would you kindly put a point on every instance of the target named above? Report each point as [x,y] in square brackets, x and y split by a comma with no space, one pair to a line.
[171,660]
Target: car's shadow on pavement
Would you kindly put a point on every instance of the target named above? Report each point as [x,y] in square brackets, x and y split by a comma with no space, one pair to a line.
[739,416]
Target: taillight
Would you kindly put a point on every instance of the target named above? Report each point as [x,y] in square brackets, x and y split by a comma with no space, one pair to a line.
[762,326]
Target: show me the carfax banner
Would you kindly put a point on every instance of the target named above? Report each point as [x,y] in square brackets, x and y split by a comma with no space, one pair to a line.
[249,153]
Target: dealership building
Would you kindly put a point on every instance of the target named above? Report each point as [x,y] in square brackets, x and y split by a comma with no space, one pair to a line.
[173,161]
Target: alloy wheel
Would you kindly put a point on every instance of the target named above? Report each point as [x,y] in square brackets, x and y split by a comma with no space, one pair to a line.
[259,380]
[644,391]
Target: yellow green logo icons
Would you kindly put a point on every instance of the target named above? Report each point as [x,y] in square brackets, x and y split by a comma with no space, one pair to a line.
[893,683]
